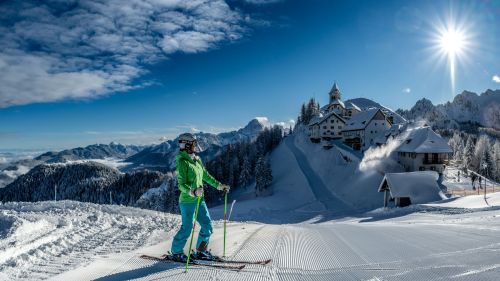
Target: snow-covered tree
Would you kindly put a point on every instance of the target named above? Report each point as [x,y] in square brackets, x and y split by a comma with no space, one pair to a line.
[263,175]
[486,164]
[482,144]
[246,173]
[468,153]
[496,160]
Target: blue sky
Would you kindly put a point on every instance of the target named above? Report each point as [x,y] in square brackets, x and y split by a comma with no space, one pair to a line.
[85,72]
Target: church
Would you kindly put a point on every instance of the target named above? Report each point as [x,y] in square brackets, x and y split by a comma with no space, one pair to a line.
[357,128]
[332,118]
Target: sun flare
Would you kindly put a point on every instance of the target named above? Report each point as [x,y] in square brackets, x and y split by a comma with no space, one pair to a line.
[452,41]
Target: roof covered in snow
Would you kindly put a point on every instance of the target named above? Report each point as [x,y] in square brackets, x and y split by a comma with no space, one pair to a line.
[320,119]
[353,106]
[338,101]
[361,120]
[420,187]
[423,140]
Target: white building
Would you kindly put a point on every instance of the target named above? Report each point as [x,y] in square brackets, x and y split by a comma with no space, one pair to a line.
[365,128]
[410,188]
[326,127]
[423,149]
[338,106]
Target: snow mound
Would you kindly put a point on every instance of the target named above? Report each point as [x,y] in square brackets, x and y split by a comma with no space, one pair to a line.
[43,239]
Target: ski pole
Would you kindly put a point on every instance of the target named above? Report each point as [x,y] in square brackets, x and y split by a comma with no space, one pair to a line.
[225,219]
[192,234]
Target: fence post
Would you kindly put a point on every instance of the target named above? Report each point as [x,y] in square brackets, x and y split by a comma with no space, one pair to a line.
[484,188]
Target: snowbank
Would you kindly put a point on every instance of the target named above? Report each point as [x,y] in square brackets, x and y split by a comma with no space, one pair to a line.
[39,240]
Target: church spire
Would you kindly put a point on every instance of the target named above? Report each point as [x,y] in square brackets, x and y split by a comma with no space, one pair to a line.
[335,93]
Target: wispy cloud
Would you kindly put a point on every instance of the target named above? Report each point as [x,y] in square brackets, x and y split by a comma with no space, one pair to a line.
[406,90]
[86,49]
[496,78]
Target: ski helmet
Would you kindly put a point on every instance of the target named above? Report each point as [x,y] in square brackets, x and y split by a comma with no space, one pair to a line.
[188,139]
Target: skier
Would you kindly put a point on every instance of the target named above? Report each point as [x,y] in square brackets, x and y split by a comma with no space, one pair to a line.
[190,176]
[473,180]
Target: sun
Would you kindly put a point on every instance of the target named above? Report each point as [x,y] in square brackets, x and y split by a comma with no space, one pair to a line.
[452,42]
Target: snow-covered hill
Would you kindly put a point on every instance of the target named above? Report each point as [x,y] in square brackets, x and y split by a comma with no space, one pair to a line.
[365,104]
[87,182]
[467,107]
[95,151]
[110,154]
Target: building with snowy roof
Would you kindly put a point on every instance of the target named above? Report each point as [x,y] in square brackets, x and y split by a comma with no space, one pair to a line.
[331,120]
[423,149]
[327,127]
[338,106]
[410,188]
[366,128]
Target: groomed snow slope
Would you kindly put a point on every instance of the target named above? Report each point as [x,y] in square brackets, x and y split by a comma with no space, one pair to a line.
[447,240]
[418,243]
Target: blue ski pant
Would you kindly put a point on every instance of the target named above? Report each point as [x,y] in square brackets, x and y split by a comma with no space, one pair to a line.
[187,214]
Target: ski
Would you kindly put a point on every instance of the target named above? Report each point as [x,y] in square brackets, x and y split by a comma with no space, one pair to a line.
[222,260]
[165,258]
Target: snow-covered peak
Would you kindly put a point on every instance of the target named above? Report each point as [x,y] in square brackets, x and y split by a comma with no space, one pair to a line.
[466,107]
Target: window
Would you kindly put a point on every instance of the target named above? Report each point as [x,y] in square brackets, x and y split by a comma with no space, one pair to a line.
[340,127]
[324,127]
[332,127]
[340,133]
[421,168]
[371,132]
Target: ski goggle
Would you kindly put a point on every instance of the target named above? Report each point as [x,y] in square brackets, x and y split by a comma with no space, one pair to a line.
[194,144]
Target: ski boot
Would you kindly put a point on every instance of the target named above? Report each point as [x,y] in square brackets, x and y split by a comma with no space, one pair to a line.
[203,254]
[180,257]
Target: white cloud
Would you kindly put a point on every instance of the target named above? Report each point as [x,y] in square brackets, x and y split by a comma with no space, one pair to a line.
[87,49]
[407,90]
[496,78]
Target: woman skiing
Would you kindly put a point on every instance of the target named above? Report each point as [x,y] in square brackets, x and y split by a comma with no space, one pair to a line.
[190,177]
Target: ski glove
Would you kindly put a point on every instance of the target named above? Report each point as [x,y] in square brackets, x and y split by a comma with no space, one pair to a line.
[224,187]
[196,192]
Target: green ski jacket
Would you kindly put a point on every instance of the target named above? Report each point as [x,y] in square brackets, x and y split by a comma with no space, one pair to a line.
[190,175]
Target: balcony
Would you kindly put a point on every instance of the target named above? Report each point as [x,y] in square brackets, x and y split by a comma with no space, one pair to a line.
[436,161]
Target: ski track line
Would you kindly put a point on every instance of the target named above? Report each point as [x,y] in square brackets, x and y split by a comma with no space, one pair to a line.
[319,189]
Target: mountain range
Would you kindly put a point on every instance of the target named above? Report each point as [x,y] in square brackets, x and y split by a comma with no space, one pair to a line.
[162,156]
[465,109]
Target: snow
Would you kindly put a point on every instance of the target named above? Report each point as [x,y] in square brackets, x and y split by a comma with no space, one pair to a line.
[360,120]
[314,227]
[423,140]
[321,118]
[420,187]
[39,240]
